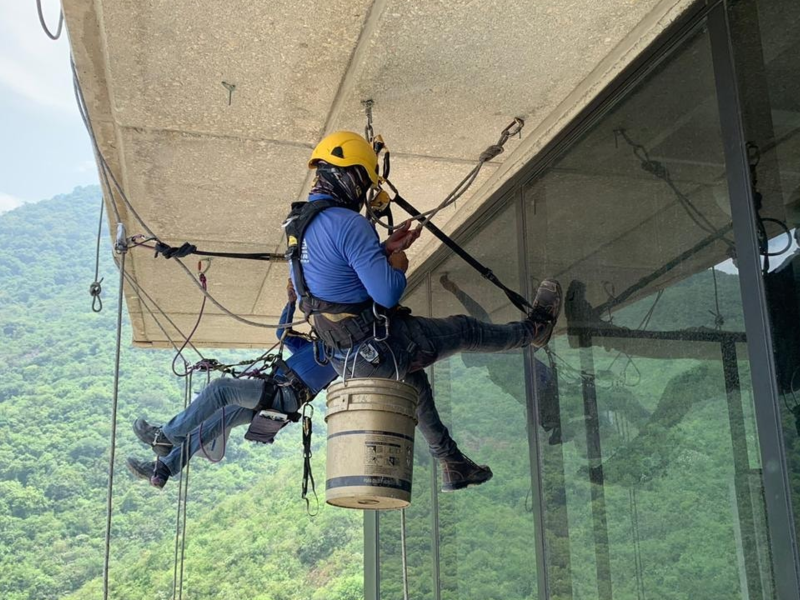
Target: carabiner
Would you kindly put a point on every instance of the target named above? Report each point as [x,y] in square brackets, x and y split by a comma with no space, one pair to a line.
[200,269]
[514,128]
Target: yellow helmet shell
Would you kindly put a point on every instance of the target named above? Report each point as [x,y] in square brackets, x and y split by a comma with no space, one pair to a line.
[346,149]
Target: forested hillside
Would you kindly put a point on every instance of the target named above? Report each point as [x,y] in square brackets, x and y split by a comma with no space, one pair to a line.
[248,534]
[669,434]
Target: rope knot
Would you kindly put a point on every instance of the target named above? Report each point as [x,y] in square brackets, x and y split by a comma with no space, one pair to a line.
[95,289]
[491,152]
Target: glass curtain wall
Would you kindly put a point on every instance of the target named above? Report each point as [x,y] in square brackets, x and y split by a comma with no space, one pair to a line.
[766,43]
[487,541]
[419,517]
[631,440]
[652,486]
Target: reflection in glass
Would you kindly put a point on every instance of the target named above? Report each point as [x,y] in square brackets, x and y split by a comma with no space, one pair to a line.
[654,487]
[767,48]
[487,541]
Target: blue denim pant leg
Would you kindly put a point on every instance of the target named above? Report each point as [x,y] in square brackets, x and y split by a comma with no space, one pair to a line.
[220,392]
[223,420]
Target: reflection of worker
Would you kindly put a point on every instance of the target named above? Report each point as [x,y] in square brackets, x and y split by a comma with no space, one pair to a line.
[351,285]
[697,382]
[511,380]
[295,382]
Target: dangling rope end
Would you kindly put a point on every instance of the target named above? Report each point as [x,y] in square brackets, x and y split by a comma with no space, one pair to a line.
[95,289]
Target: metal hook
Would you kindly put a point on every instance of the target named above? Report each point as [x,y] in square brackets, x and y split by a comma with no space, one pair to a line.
[369,133]
[231,87]
[200,269]
[514,128]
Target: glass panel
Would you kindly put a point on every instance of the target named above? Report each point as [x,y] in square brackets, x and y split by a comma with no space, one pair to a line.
[419,517]
[487,542]
[419,536]
[651,478]
[767,48]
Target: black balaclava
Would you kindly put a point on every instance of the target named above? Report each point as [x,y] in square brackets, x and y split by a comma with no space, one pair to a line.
[347,185]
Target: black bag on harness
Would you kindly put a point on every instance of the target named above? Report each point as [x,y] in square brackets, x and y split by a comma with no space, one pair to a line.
[267,422]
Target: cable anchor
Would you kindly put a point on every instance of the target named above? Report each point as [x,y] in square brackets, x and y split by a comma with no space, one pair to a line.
[121,241]
[369,133]
[514,128]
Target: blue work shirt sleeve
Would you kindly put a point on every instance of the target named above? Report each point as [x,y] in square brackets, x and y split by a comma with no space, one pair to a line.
[292,343]
[364,253]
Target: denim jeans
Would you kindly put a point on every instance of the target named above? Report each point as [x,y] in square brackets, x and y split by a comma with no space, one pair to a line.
[222,421]
[242,395]
[417,342]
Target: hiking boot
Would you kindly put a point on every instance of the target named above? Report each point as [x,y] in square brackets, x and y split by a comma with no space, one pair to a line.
[154,471]
[152,436]
[546,308]
[459,472]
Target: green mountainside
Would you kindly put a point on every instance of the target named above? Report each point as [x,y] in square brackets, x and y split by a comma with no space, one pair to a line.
[248,534]
[672,495]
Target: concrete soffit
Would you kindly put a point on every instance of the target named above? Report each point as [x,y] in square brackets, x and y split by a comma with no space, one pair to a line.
[440,100]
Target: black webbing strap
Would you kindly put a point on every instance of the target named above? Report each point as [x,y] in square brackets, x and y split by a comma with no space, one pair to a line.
[515,298]
[186,249]
[308,476]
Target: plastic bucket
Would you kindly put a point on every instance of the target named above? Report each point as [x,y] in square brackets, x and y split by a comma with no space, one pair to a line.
[370,443]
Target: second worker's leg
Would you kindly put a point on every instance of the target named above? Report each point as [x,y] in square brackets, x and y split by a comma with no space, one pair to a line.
[204,435]
[220,392]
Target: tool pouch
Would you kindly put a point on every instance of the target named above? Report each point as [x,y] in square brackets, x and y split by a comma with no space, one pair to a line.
[265,426]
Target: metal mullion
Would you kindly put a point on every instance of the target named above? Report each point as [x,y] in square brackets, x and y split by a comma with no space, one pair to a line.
[372,572]
[757,325]
[532,404]
[435,554]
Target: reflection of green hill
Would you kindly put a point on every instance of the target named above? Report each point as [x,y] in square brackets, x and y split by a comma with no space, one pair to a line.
[247,525]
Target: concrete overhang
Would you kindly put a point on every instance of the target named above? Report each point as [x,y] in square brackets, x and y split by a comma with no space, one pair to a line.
[445,78]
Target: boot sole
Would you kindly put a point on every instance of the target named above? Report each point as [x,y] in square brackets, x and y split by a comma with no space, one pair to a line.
[160,449]
[144,477]
[136,472]
[461,485]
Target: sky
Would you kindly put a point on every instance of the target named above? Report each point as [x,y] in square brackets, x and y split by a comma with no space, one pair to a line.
[44,148]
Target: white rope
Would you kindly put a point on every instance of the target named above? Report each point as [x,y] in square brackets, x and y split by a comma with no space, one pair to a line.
[404,552]
[115,396]
[141,294]
[43,23]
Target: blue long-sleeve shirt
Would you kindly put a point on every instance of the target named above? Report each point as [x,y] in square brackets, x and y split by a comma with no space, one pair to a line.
[343,260]
[302,360]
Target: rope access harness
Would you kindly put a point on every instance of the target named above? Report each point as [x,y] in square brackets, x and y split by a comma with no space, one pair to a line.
[269,360]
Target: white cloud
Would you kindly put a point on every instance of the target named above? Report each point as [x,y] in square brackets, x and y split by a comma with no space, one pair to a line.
[9,202]
[32,66]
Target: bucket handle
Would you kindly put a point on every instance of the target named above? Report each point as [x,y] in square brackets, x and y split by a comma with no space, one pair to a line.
[358,353]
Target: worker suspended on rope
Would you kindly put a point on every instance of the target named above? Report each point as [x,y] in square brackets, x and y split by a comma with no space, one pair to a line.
[266,404]
[350,285]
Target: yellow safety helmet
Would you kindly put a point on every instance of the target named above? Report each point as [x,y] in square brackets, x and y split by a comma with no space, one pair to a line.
[346,149]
